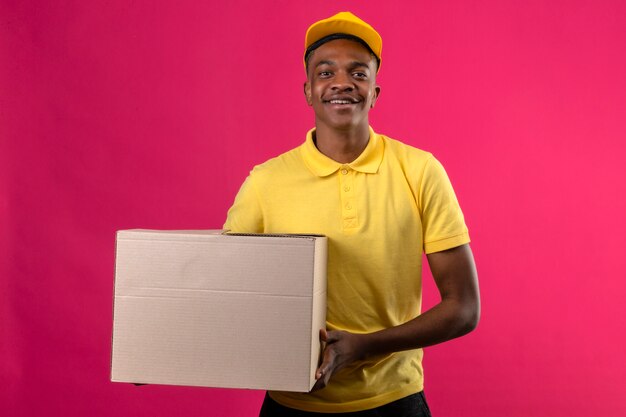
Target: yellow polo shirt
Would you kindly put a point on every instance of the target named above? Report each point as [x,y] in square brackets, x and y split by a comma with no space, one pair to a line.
[380,212]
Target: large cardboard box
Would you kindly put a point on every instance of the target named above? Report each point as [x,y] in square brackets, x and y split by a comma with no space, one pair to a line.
[206,308]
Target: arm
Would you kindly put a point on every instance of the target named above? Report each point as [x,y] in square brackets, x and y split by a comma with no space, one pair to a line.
[457,314]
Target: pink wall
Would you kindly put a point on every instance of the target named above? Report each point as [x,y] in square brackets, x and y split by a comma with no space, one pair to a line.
[130,114]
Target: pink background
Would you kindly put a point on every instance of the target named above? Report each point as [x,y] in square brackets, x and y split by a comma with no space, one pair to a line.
[123,114]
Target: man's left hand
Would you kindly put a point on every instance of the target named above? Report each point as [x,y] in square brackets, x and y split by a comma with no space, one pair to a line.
[342,348]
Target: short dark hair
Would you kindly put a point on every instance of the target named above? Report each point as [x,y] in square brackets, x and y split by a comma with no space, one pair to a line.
[333,37]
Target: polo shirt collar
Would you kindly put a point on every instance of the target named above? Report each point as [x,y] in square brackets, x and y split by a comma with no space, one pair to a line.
[321,165]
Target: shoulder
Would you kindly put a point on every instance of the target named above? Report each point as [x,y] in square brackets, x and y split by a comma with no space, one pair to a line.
[408,157]
[284,163]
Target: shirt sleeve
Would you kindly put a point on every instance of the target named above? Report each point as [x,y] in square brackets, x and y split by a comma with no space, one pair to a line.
[442,219]
[245,215]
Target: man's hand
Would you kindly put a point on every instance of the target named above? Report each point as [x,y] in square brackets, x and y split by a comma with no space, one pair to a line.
[342,348]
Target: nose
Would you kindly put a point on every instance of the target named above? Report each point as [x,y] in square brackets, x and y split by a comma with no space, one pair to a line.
[342,82]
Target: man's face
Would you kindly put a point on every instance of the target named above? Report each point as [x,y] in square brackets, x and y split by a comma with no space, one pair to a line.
[341,84]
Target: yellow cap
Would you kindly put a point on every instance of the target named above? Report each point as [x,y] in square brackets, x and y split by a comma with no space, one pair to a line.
[348,24]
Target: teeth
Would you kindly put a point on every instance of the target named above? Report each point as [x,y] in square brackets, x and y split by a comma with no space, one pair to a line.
[340,102]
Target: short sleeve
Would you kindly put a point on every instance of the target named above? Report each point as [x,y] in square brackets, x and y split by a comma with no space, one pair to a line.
[442,219]
[245,215]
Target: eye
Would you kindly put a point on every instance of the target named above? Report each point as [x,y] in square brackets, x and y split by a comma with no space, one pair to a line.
[359,75]
[324,74]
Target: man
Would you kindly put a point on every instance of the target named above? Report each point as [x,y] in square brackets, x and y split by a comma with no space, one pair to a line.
[382,204]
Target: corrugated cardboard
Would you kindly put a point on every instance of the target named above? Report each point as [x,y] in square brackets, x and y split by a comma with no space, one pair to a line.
[209,309]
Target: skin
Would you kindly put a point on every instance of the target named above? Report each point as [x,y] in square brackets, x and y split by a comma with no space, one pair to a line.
[344,69]
[341,69]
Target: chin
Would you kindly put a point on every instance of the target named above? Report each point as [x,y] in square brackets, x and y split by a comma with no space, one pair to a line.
[343,124]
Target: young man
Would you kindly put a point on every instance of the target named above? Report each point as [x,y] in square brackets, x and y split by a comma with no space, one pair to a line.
[382,204]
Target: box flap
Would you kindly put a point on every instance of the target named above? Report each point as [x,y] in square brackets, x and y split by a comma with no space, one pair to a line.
[183,260]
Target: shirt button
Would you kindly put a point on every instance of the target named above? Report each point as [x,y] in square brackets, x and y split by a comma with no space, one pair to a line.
[346,188]
[344,171]
[348,206]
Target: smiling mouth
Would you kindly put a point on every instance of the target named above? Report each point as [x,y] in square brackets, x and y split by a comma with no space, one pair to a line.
[341,101]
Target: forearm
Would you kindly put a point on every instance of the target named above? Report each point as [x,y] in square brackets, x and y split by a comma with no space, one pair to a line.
[457,314]
[447,320]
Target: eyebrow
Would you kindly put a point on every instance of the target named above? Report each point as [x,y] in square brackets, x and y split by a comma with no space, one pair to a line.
[324,63]
[353,64]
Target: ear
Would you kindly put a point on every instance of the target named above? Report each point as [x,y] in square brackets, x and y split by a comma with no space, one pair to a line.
[307,92]
[376,94]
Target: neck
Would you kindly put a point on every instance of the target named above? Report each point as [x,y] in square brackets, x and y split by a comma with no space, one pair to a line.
[341,146]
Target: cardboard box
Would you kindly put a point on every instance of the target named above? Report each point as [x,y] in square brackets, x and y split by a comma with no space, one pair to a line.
[205,308]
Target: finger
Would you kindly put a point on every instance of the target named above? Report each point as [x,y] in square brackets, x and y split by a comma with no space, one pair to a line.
[323,335]
[332,336]
[319,384]
[327,364]
[322,381]
[322,369]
